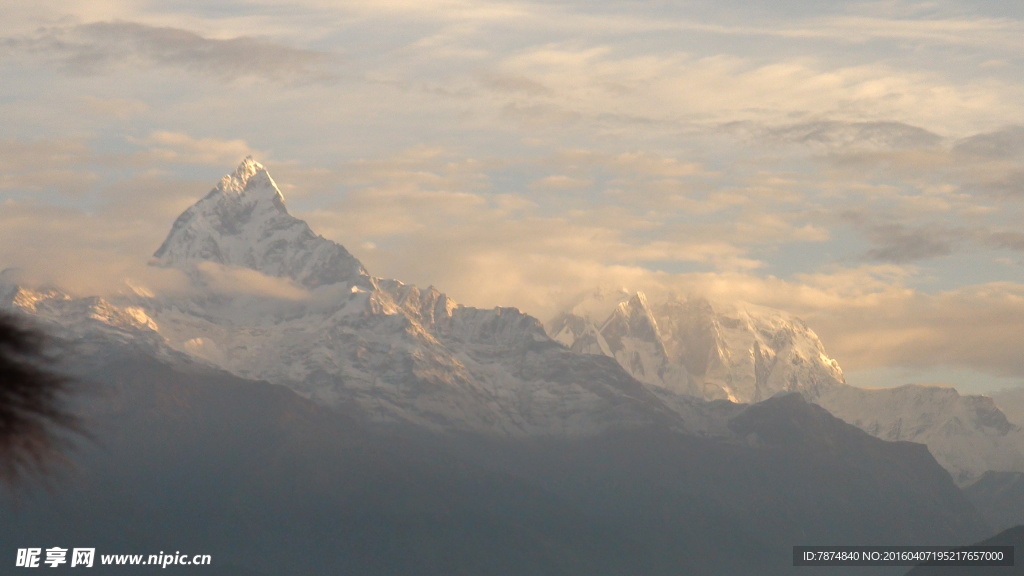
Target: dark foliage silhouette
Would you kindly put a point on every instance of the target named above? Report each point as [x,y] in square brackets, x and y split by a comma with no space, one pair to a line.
[35,423]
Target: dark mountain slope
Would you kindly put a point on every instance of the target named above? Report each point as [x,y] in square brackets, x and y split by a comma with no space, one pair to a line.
[269,483]
[999,497]
[266,482]
[1011,537]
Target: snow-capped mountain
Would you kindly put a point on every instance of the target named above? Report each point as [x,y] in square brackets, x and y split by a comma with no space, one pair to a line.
[93,324]
[748,353]
[967,435]
[743,353]
[397,353]
[244,222]
[390,351]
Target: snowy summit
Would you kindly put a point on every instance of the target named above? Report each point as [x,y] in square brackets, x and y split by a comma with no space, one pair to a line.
[243,222]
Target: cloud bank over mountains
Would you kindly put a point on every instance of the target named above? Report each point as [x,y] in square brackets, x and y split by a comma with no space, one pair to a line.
[859,166]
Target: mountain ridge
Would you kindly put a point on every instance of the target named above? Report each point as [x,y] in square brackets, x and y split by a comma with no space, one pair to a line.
[743,353]
[748,353]
[394,352]
[402,354]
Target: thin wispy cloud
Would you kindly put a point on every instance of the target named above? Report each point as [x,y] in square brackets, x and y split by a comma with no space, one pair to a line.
[105,47]
[899,244]
[1003,34]
[1006,143]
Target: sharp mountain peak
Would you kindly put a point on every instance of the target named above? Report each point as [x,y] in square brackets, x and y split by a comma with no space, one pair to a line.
[243,222]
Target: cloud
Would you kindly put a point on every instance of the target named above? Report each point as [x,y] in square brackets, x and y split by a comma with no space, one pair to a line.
[234,281]
[55,164]
[164,147]
[857,135]
[510,83]
[1010,185]
[429,213]
[91,248]
[604,83]
[561,182]
[1009,240]
[975,327]
[86,254]
[120,108]
[98,47]
[73,171]
[964,31]
[901,244]
[455,10]
[642,164]
[1006,143]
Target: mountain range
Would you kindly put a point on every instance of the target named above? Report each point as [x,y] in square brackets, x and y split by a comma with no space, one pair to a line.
[287,389]
[747,353]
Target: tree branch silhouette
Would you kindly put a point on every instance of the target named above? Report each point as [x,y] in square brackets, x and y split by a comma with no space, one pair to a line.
[35,422]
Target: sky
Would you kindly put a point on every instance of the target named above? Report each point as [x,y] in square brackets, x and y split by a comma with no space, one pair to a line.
[858,164]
